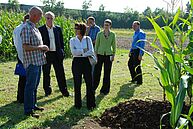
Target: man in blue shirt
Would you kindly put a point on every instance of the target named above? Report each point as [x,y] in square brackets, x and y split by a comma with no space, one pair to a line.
[136,53]
[93,29]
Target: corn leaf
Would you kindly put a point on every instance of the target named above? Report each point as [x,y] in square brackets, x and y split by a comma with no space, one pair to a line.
[164,41]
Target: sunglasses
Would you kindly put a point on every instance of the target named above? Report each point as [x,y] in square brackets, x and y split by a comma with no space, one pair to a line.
[49,18]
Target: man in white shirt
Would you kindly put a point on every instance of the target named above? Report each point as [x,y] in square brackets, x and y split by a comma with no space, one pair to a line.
[52,37]
[19,49]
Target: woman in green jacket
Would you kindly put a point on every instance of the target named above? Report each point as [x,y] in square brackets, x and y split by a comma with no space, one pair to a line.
[105,49]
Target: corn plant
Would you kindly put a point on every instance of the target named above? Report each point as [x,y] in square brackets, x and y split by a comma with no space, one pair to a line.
[9,20]
[175,71]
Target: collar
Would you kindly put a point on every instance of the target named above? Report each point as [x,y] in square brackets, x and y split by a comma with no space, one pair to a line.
[93,26]
[31,23]
[137,30]
[49,27]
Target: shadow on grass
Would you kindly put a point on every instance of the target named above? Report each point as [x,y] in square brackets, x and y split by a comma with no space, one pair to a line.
[99,98]
[49,100]
[126,91]
[12,114]
[66,119]
[70,84]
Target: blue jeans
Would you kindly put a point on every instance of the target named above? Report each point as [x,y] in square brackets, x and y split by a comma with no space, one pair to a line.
[33,73]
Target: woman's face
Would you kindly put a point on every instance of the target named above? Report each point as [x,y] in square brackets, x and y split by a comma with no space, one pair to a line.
[77,30]
[107,26]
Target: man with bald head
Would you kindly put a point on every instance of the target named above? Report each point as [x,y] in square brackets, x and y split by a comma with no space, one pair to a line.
[33,59]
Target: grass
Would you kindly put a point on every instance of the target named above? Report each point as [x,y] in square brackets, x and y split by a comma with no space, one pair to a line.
[59,110]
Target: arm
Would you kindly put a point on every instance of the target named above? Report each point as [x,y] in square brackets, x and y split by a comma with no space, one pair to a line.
[61,38]
[141,44]
[97,43]
[75,51]
[114,47]
[97,31]
[90,47]
[28,47]
[114,44]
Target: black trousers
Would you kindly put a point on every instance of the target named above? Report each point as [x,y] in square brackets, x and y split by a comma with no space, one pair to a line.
[52,58]
[21,87]
[81,66]
[103,59]
[135,66]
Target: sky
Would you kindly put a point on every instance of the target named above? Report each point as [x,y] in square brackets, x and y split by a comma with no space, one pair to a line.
[110,5]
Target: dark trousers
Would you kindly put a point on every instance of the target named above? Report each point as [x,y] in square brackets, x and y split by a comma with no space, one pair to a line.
[135,67]
[21,87]
[52,58]
[103,59]
[81,66]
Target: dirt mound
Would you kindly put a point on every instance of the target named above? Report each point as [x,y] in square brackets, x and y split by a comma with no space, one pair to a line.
[137,114]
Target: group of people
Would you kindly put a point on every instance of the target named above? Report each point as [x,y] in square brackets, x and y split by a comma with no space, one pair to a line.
[39,48]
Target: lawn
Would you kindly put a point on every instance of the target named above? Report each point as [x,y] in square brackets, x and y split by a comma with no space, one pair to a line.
[59,111]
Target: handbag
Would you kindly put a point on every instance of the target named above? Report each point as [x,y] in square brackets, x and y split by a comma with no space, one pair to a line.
[20,70]
[92,58]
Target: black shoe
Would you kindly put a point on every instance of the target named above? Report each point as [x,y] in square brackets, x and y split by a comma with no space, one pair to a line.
[19,101]
[66,94]
[78,107]
[32,114]
[38,109]
[47,94]
[139,83]
[91,108]
[104,93]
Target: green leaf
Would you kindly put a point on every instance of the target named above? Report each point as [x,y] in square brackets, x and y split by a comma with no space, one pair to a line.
[190,111]
[164,41]
[191,3]
[176,17]
[169,33]
[180,96]
[178,58]
[170,95]
[188,68]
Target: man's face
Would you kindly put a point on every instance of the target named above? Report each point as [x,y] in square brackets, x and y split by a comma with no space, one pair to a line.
[90,22]
[49,20]
[38,17]
[135,26]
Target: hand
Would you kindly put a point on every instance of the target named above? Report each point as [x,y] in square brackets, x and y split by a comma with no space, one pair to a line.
[139,57]
[85,50]
[129,54]
[43,48]
[112,58]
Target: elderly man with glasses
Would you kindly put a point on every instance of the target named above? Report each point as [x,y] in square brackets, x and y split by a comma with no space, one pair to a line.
[52,37]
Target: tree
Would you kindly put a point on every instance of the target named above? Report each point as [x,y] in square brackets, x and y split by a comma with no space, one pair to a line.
[49,5]
[85,6]
[56,8]
[172,4]
[147,12]
[59,8]
[13,5]
[101,8]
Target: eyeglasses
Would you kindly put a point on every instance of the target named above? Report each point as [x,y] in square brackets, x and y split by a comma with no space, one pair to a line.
[49,18]
[106,25]
[77,28]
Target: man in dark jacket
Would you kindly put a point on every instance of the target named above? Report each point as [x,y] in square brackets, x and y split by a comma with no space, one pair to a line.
[53,38]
